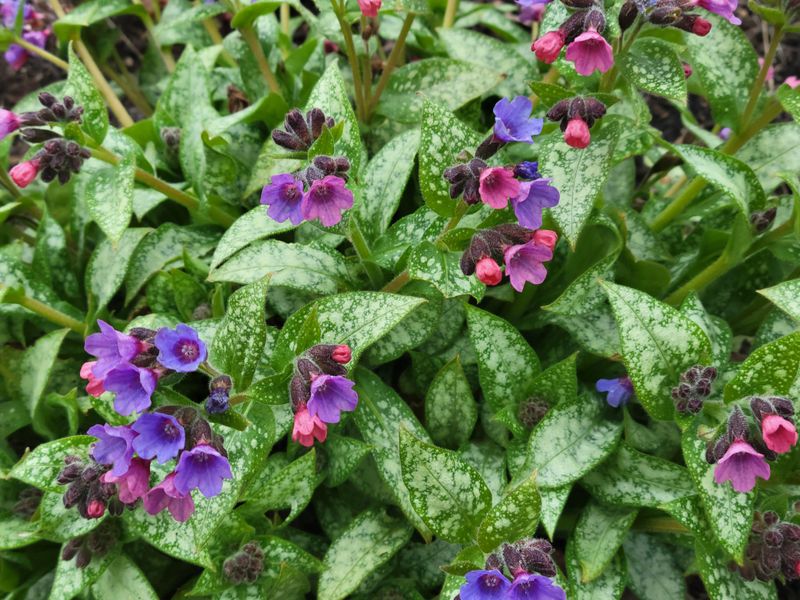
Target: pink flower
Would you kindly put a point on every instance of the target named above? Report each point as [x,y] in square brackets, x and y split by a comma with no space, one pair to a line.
[723,8]
[548,47]
[590,51]
[9,123]
[546,237]
[96,509]
[524,263]
[342,354]
[792,81]
[307,428]
[687,70]
[770,72]
[740,465]
[577,133]
[24,173]
[779,434]
[326,199]
[497,185]
[488,271]
[134,483]
[165,495]
[95,386]
[369,8]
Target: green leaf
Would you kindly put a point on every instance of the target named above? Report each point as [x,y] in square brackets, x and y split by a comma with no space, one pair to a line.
[772,369]
[441,268]
[449,495]
[41,466]
[249,13]
[609,586]
[182,28]
[553,501]
[773,152]
[786,296]
[109,195]
[652,65]
[450,409]
[89,13]
[658,344]
[37,365]
[653,568]
[717,330]
[578,174]
[82,88]
[443,138]
[506,362]
[109,264]
[722,584]
[570,440]
[292,487]
[790,99]
[70,580]
[729,513]
[251,226]
[513,518]
[238,345]
[343,455]
[16,532]
[598,535]
[423,224]
[123,574]
[63,524]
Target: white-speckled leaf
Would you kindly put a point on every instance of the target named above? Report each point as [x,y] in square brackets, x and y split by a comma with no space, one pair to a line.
[16,532]
[658,344]
[343,455]
[251,226]
[448,494]
[786,296]
[513,518]
[292,487]
[653,569]
[653,66]
[71,581]
[716,329]
[771,369]
[41,466]
[598,535]
[62,524]
[488,459]
[723,584]
[37,365]
[122,575]
[790,99]
[109,264]
[109,195]
[553,501]
[82,88]
[422,224]
[595,332]
[441,268]
[367,543]
[729,513]
[450,409]
[608,586]
[773,152]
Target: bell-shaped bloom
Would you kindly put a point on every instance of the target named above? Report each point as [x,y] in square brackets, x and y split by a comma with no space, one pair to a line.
[166,495]
[548,47]
[723,8]
[95,386]
[24,173]
[577,133]
[16,56]
[369,8]
[497,185]
[535,587]
[326,199]
[488,271]
[284,195]
[779,434]
[740,465]
[180,349]
[203,468]
[524,263]
[330,395]
[513,121]
[9,123]
[9,10]
[590,51]
[792,81]
[546,237]
[485,585]
[114,446]
[133,386]
[531,11]
[112,349]
[134,483]
[160,436]
[534,196]
[307,428]
[619,390]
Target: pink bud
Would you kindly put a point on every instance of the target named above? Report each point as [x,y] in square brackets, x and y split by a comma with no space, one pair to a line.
[546,237]
[701,27]
[779,434]
[577,133]
[342,354]
[687,70]
[369,8]
[330,47]
[548,47]
[95,509]
[488,271]
[792,81]
[24,173]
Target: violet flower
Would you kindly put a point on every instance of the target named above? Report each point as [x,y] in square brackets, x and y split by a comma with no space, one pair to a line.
[535,587]
[740,465]
[723,8]
[485,585]
[160,436]
[114,446]
[166,495]
[513,122]
[180,349]
[133,386]
[590,51]
[9,123]
[134,483]
[9,10]
[534,196]
[497,185]
[112,349]
[330,395]
[16,56]
[619,390]
[204,468]
[326,199]
[524,263]
[283,195]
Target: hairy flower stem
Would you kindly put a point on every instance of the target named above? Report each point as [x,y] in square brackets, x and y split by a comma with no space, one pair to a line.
[249,36]
[609,78]
[361,247]
[391,63]
[758,84]
[352,58]
[43,310]
[450,14]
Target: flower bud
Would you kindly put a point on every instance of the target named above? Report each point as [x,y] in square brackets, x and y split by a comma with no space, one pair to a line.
[532,411]
[548,47]
[762,220]
[488,271]
[694,24]
[96,509]
[687,70]
[24,173]
[546,237]
[577,133]
[342,354]
[299,392]
[627,14]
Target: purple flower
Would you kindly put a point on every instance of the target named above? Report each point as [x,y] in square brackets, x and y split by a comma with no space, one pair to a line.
[531,10]
[16,56]
[204,468]
[160,436]
[9,123]
[180,349]
[9,9]
[284,195]
[723,8]
[740,465]
[534,196]
[326,199]
[524,263]
[535,587]
[164,495]
[331,394]
[485,585]
[725,133]
[112,349]
[114,447]
[619,390]
[527,170]
[134,483]
[133,387]
[513,122]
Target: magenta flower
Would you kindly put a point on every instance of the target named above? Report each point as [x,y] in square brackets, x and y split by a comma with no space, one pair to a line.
[619,390]
[590,51]
[497,185]
[24,173]
[524,263]
[133,386]
[180,349]
[792,81]
[740,465]
[112,349]
[485,585]
[204,468]
[9,123]
[326,199]
[546,237]
[160,436]
[548,47]
[723,8]
[513,122]
[166,495]
[307,428]
[95,386]
[369,8]
[330,395]
[134,483]
[535,587]
[114,446]
[283,195]
[534,196]
[779,434]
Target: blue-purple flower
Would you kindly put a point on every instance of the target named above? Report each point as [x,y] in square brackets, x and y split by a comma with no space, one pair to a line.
[114,447]
[112,349]
[524,263]
[284,195]
[513,121]
[160,436]
[527,170]
[330,395]
[535,587]
[16,56]
[485,585]
[133,386]
[9,10]
[326,199]
[203,468]
[619,390]
[533,198]
[180,349]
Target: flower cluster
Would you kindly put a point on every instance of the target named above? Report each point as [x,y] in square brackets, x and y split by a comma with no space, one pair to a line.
[300,132]
[98,543]
[34,30]
[694,387]
[320,392]
[773,550]
[246,565]
[576,116]
[523,251]
[675,13]
[619,391]
[531,569]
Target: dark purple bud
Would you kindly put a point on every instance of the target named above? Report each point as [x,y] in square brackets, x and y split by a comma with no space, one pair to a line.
[595,19]
[627,14]
[559,110]
[299,392]
[71,548]
[200,432]
[217,402]
[287,140]
[488,147]
[493,562]
[83,558]
[527,170]
[512,558]
[316,120]
[737,425]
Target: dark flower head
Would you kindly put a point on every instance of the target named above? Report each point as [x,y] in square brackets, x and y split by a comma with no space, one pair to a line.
[300,132]
[217,402]
[160,437]
[180,349]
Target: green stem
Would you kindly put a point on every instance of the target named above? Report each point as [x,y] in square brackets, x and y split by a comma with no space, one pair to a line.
[758,84]
[285,14]
[391,63]
[249,36]
[166,53]
[110,97]
[716,269]
[450,14]
[44,310]
[352,58]
[42,53]
[610,77]
[6,182]
[678,205]
[396,284]
[133,94]
[364,254]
